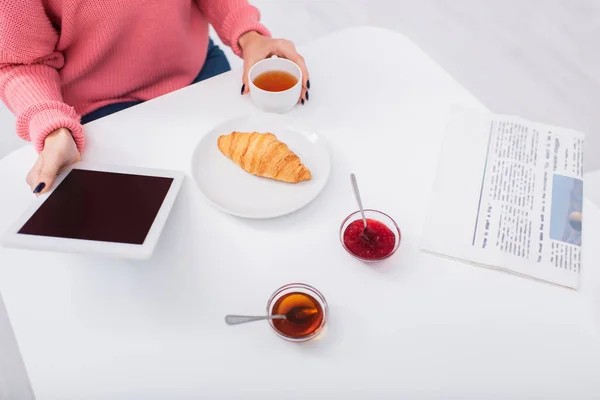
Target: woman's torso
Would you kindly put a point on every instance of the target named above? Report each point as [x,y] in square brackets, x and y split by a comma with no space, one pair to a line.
[123,50]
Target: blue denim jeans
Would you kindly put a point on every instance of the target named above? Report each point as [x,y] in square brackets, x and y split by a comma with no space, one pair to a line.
[216,63]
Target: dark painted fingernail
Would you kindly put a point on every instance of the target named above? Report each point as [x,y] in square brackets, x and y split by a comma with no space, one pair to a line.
[302,100]
[307,95]
[39,187]
[308,84]
[243,87]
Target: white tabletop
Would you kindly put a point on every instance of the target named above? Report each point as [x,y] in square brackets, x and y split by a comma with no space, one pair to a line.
[592,187]
[416,326]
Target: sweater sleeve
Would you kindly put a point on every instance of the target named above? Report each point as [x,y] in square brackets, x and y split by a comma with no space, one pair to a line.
[29,78]
[231,19]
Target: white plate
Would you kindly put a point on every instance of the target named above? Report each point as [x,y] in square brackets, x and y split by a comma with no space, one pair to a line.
[235,191]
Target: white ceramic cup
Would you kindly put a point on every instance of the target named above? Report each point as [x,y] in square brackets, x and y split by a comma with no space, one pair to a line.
[275,102]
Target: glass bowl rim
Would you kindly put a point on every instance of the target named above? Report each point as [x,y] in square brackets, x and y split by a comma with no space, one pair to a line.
[370,260]
[314,292]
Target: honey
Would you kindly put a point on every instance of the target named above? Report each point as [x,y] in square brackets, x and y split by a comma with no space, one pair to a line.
[309,322]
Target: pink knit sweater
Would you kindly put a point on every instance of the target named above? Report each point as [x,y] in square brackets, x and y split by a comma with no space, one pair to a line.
[60,59]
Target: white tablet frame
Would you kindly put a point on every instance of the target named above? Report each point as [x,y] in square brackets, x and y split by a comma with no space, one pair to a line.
[12,238]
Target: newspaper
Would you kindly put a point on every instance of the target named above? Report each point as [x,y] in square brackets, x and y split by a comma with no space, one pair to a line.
[509,195]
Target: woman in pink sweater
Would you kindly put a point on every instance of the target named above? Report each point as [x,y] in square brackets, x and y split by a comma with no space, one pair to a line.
[64,63]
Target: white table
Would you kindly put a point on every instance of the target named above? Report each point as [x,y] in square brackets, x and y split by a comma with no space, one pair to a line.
[592,187]
[416,326]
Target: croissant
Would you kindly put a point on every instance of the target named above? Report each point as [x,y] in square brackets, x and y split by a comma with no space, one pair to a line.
[262,154]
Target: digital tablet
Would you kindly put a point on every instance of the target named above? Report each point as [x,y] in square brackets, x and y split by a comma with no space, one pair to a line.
[114,210]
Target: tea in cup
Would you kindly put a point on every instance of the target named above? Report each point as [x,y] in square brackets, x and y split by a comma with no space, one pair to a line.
[275,84]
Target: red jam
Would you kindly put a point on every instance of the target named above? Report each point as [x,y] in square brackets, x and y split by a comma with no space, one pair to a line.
[377,242]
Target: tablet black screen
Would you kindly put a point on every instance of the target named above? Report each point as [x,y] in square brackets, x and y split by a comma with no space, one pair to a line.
[100,206]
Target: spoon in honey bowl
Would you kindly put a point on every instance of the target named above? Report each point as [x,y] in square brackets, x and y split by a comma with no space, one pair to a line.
[360,206]
[296,315]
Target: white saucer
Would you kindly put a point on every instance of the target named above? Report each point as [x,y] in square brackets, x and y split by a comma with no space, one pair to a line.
[235,191]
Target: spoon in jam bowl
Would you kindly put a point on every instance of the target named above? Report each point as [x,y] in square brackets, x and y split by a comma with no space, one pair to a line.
[296,315]
[363,235]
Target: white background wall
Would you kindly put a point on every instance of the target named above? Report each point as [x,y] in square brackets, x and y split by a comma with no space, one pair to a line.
[536,58]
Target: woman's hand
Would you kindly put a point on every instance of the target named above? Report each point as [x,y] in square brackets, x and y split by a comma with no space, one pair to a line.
[59,152]
[256,47]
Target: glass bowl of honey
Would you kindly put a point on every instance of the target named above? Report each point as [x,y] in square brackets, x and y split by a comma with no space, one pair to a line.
[309,305]
[378,241]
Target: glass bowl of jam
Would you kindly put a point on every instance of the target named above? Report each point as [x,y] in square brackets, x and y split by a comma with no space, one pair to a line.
[379,241]
[309,305]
